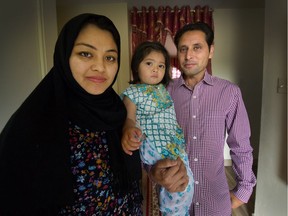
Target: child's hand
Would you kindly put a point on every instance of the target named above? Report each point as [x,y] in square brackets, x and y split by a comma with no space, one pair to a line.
[131,139]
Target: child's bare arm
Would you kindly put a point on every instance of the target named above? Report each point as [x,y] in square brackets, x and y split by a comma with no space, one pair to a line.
[131,133]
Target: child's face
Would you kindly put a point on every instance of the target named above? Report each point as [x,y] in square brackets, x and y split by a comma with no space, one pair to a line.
[152,69]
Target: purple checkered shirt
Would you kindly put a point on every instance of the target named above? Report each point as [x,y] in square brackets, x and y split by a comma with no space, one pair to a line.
[206,113]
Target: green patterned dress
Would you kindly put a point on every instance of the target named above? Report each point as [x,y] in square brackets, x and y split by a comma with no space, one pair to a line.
[155,116]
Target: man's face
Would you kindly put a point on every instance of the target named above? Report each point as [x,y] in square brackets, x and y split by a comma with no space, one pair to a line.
[193,53]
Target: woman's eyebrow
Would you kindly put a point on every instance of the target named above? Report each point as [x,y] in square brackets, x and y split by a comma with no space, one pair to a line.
[92,47]
[85,44]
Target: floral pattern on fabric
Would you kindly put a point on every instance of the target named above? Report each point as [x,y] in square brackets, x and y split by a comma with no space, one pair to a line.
[93,178]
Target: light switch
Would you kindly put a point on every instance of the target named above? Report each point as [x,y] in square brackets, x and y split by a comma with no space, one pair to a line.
[282,86]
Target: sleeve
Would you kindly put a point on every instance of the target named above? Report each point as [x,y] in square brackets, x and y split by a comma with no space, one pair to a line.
[132,93]
[238,140]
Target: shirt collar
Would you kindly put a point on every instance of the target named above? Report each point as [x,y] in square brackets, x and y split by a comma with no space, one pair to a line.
[208,79]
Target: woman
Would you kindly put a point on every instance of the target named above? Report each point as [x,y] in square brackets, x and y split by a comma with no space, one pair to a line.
[60,153]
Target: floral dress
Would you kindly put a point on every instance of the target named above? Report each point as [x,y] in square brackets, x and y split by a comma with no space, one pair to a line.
[164,138]
[93,179]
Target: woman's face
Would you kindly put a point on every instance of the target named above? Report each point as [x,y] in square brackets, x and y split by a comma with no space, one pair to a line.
[93,60]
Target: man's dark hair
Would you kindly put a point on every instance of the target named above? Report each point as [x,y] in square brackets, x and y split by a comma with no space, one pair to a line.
[200,26]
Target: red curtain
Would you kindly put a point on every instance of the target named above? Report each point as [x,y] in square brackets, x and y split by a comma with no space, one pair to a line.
[155,24]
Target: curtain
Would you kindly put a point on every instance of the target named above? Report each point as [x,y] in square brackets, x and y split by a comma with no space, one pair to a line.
[156,24]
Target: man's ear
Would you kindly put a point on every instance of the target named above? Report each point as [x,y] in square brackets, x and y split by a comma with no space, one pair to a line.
[211,51]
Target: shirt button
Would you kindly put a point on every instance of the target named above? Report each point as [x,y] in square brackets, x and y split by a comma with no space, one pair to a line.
[194,96]
[196,182]
[197,203]
[195,159]
[194,116]
[194,137]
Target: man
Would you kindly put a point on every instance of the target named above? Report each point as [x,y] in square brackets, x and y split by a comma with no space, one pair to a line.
[207,108]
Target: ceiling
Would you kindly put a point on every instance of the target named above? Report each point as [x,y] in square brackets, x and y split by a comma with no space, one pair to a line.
[214,4]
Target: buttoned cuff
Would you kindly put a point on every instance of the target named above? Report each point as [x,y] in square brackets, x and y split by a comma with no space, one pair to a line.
[243,193]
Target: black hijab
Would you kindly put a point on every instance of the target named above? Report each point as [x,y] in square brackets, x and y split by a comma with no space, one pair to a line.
[34,145]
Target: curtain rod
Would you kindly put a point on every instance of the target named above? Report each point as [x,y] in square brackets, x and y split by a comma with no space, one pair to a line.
[192,10]
[171,11]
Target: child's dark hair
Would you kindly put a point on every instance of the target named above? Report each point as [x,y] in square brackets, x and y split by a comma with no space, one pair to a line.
[141,52]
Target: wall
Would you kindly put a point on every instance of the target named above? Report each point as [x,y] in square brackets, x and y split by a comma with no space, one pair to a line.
[231,60]
[238,57]
[21,57]
[47,25]
[118,13]
[271,191]
[21,72]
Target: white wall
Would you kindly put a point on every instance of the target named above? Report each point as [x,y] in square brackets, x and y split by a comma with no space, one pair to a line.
[271,191]
[238,57]
[21,71]
[21,59]
[48,32]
